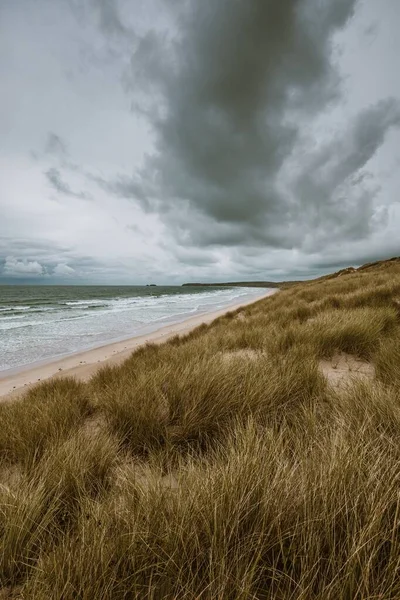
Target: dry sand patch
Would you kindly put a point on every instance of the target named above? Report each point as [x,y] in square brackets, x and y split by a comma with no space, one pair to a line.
[343,368]
[9,477]
[144,476]
[92,425]
[242,354]
[240,317]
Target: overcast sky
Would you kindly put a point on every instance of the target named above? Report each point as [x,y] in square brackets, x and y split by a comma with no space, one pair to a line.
[184,140]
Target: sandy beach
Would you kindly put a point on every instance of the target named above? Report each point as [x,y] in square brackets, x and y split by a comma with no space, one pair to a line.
[83,365]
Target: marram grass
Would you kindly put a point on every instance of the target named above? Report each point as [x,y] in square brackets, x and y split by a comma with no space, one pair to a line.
[220,465]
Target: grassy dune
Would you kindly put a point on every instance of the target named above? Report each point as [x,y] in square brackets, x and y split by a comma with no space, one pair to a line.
[223,464]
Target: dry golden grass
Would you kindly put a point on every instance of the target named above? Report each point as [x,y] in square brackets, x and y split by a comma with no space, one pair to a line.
[220,465]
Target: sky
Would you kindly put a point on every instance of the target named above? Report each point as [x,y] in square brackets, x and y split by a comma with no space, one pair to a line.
[166,141]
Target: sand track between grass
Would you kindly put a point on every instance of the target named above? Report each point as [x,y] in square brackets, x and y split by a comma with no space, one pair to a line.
[343,368]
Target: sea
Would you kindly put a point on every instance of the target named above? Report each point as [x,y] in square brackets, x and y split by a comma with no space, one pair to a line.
[40,323]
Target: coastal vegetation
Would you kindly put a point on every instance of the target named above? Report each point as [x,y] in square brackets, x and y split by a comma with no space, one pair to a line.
[256,457]
[262,284]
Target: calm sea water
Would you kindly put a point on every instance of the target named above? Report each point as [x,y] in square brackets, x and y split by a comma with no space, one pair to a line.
[42,322]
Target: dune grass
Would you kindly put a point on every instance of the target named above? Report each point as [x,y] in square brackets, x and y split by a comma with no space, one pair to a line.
[220,465]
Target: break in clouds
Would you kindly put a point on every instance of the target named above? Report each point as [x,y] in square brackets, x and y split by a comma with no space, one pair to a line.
[197,140]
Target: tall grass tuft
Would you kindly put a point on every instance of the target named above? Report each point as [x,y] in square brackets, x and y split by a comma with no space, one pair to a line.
[43,418]
[42,506]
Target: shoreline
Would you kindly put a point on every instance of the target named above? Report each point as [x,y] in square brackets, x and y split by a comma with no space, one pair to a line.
[84,364]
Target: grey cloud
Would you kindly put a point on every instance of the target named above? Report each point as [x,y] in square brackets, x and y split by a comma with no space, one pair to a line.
[106,14]
[13,266]
[55,179]
[124,187]
[235,171]
[63,270]
[109,18]
[335,197]
[56,146]
[56,149]
[372,30]
[110,50]
[368,254]
[346,154]
[25,248]
[194,256]
[148,74]
[237,89]
[36,260]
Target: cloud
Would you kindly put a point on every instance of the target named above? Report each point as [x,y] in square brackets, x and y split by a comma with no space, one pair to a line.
[332,192]
[13,266]
[216,139]
[124,186]
[239,85]
[107,15]
[109,18]
[63,270]
[56,181]
[55,145]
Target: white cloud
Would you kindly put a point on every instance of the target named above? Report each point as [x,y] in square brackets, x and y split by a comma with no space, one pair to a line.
[13,266]
[63,269]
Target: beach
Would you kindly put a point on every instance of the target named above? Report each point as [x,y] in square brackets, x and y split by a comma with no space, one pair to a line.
[83,365]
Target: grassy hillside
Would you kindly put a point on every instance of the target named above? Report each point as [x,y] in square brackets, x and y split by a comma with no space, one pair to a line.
[378,265]
[257,457]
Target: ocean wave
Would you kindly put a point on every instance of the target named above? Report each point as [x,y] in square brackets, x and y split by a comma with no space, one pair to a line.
[70,322]
[7,326]
[72,318]
[166,303]
[10,317]
[96,306]
[16,307]
[82,302]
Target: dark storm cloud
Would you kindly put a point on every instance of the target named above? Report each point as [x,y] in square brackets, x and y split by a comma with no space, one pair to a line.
[56,181]
[239,68]
[235,94]
[249,136]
